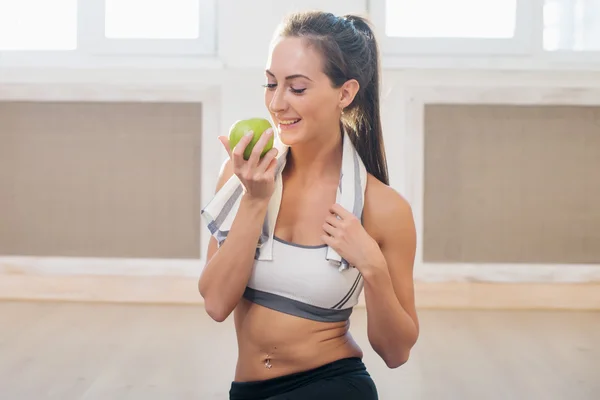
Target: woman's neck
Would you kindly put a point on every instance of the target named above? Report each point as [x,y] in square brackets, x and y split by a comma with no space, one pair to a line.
[312,161]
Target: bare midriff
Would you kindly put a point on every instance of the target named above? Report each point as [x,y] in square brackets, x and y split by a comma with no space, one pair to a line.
[273,344]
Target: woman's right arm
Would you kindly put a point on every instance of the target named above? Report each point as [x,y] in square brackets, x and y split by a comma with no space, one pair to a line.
[228,267]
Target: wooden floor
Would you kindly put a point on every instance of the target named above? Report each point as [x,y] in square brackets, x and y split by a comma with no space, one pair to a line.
[72,351]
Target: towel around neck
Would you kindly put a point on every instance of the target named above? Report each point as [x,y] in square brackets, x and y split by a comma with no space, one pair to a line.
[220,212]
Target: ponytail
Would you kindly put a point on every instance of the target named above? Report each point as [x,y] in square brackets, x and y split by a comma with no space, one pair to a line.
[364,119]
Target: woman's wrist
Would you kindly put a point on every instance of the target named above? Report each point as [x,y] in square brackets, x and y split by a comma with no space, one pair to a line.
[255,203]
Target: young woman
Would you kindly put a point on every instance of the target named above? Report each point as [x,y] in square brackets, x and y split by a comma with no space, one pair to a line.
[291,302]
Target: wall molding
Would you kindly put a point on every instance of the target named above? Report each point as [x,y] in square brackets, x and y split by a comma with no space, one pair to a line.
[412,100]
[192,268]
[205,91]
[184,290]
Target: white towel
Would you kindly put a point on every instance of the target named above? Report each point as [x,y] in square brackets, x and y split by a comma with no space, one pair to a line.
[220,212]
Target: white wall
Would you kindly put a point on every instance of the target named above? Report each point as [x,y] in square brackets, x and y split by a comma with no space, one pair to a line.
[229,86]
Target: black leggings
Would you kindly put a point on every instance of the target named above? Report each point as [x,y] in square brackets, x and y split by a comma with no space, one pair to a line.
[345,379]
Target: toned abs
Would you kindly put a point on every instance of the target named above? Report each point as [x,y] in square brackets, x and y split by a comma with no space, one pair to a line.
[273,344]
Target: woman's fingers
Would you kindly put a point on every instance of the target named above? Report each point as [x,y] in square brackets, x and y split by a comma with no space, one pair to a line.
[255,157]
[329,229]
[267,161]
[332,220]
[272,166]
[237,154]
[257,173]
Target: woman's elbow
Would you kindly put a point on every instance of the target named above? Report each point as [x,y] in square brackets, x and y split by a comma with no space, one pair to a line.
[397,361]
[217,316]
[400,357]
[216,312]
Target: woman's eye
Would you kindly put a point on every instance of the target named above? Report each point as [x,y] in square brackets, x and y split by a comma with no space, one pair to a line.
[297,91]
[271,86]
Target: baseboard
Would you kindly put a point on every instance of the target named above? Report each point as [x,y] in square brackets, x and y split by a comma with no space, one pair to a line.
[494,295]
[183,290]
[101,288]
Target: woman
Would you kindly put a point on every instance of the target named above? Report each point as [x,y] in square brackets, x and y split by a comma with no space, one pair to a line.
[274,264]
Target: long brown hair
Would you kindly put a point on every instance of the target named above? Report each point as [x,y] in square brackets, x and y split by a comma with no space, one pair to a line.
[350,51]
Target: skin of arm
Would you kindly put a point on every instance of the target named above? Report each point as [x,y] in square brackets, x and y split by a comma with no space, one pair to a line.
[383,250]
[392,326]
[228,268]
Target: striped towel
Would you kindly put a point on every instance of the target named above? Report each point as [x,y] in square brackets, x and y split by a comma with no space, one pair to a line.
[220,212]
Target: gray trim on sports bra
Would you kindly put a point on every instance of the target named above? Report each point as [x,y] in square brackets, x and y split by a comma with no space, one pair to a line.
[296,308]
[302,246]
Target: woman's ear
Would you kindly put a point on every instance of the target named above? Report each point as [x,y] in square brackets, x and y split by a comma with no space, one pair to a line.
[347,92]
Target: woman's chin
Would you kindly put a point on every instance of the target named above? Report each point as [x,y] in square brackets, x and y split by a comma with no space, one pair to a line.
[289,138]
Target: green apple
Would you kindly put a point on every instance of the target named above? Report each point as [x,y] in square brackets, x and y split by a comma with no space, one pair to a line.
[256,125]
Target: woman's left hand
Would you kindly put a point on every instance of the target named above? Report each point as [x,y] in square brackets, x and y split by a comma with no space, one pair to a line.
[346,235]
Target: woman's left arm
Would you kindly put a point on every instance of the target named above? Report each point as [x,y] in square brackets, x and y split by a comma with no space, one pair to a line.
[393,326]
[385,259]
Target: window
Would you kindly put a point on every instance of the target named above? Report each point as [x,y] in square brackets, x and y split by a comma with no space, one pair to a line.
[457,27]
[571,25]
[38,25]
[143,19]
[158,27]
[451,19]
[519,33]
[94,27]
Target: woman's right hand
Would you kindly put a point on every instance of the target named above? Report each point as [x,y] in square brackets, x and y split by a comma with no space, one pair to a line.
[256,174]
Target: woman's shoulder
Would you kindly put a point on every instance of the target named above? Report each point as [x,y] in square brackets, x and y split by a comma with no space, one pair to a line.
[385,209]
[381,198]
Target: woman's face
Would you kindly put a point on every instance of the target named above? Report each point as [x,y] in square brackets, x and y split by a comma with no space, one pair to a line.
[299,96]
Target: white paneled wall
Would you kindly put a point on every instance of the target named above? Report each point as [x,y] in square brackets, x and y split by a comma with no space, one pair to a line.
[229,86]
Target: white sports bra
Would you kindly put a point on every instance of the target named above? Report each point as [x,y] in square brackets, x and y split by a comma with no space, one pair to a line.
[301,282]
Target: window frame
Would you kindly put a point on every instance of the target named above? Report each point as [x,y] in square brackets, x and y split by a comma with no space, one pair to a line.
[524,51]
[93,47]
[520,44]
[92,40]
